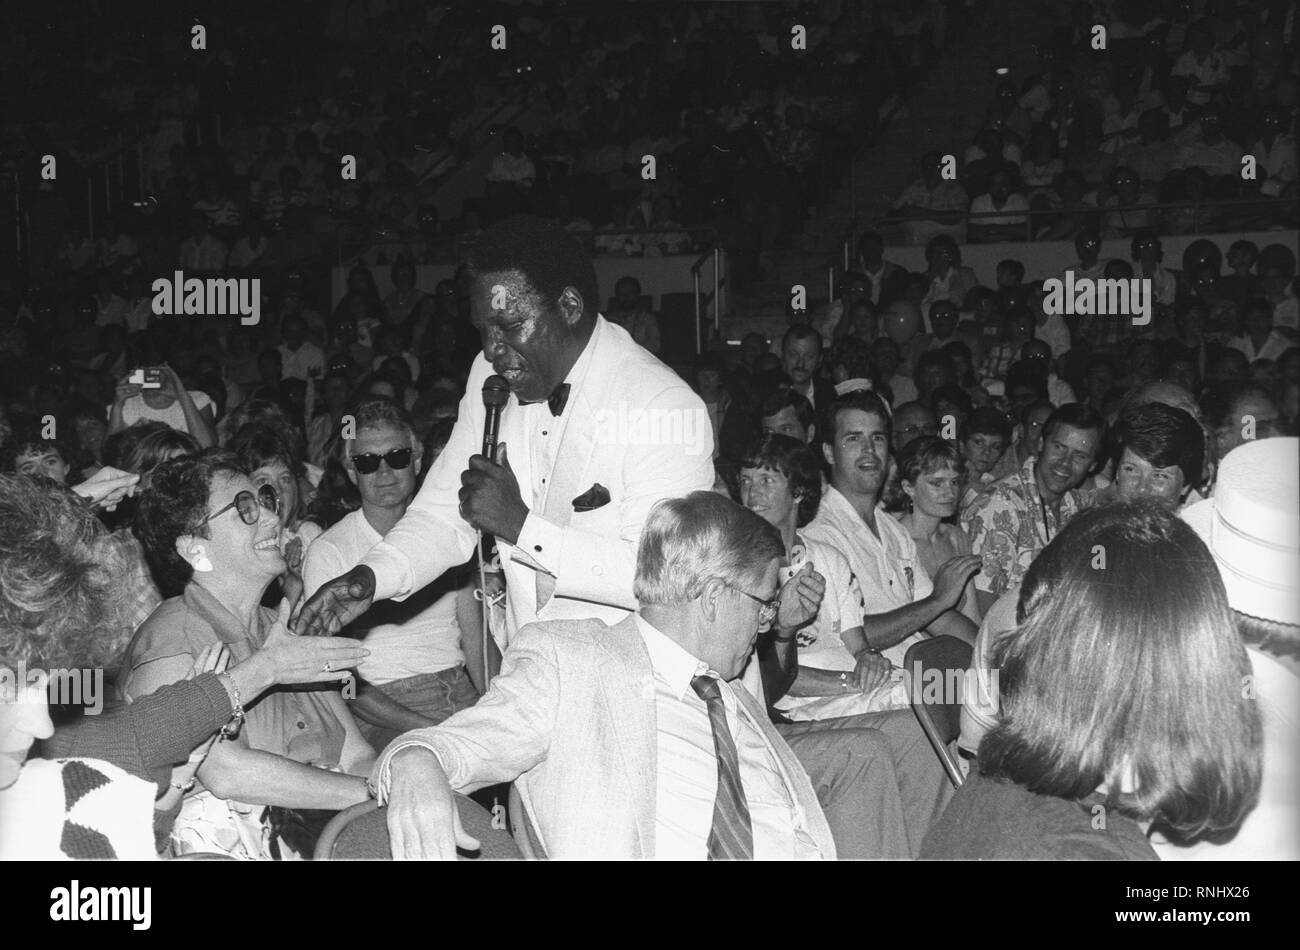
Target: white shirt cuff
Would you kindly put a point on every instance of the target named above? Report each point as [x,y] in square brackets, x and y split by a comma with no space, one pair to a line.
[540,543]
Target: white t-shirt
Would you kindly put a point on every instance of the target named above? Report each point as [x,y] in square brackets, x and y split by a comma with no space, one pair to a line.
[136,410]
[984,204]
[423,635]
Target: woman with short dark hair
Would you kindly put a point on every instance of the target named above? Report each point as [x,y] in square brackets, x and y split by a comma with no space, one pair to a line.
[210,530]
[839,672]
[1122,702]
[59,586]
[1159,455]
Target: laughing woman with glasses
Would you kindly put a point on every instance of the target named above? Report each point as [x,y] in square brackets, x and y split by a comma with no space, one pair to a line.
[214,534]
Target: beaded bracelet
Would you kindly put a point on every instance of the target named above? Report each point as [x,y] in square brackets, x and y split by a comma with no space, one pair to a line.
[231,729]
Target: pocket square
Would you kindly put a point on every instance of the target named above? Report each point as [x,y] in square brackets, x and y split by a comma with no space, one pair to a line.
[597,496]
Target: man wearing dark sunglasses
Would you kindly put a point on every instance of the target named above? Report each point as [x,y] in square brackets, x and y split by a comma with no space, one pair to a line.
[415,675]
[567,499]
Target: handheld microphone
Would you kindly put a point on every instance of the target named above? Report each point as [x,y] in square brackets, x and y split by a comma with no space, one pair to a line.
[496,393]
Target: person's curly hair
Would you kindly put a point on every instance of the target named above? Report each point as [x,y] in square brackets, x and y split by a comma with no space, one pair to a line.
[60,579]
[172,507]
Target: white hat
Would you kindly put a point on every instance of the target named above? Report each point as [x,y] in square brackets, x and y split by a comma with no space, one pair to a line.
[1252,527]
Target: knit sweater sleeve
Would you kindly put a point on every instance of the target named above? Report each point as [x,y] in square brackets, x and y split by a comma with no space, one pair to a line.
[152,734]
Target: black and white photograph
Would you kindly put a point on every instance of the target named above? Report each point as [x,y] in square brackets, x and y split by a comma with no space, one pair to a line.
[663,431]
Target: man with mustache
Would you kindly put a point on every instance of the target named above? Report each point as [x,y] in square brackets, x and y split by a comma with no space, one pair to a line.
[1011,522]
[596,430]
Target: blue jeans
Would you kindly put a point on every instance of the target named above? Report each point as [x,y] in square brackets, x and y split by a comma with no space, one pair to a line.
[433,695]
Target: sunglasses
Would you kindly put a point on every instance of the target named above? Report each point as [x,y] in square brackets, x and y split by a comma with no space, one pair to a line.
[250,506]
[368,463]
[766,608]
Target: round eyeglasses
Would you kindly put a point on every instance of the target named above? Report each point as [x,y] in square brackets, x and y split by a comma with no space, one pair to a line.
[249,506]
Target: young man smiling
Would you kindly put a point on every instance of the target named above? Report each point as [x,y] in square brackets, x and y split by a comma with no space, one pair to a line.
[901,599]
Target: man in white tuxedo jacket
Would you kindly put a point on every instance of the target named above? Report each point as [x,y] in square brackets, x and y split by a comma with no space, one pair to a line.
[631,741]
[595,432]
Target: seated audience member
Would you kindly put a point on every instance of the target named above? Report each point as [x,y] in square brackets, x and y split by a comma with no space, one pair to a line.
[629,313]
[299,357]
[933,205]
[1127,196]
[1011,522]
[28,451]
[697,772]
[1276,280]
[831,322]
[1027,438]
[211,534]
[930,474]
[1275,151]
[1076,740]
[901,599]
[849,360]
[1146,252]
[1237,411]
[1203,145]
[900,321]
[170,402]
[951,405]
[943,324]
[1006,211]
[1240,283]
[731,420]
[416,673]
[1258,557]
[983,438]
[887,279]
[801,357]
[273,456]
[59,586]
[1036,357]
[785,412]
[912,421]
[1159,456]
[934,370]
[948,278]
[1020,330]
[886,362]
[839,673]
[1260,341]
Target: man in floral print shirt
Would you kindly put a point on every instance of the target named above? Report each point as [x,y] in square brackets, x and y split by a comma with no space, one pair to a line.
[1018,515]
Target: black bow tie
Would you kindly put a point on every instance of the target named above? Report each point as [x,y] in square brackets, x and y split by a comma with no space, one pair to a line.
[558,399]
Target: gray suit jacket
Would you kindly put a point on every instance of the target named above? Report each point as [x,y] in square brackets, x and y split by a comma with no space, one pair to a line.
[572,717]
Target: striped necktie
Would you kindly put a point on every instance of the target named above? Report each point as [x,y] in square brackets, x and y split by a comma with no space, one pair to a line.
[732,835]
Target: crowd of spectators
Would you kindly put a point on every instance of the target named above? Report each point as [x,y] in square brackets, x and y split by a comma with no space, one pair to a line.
[946,456]
[1158,111]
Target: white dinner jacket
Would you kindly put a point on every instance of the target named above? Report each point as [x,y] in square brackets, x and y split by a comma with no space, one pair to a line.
[601,443]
